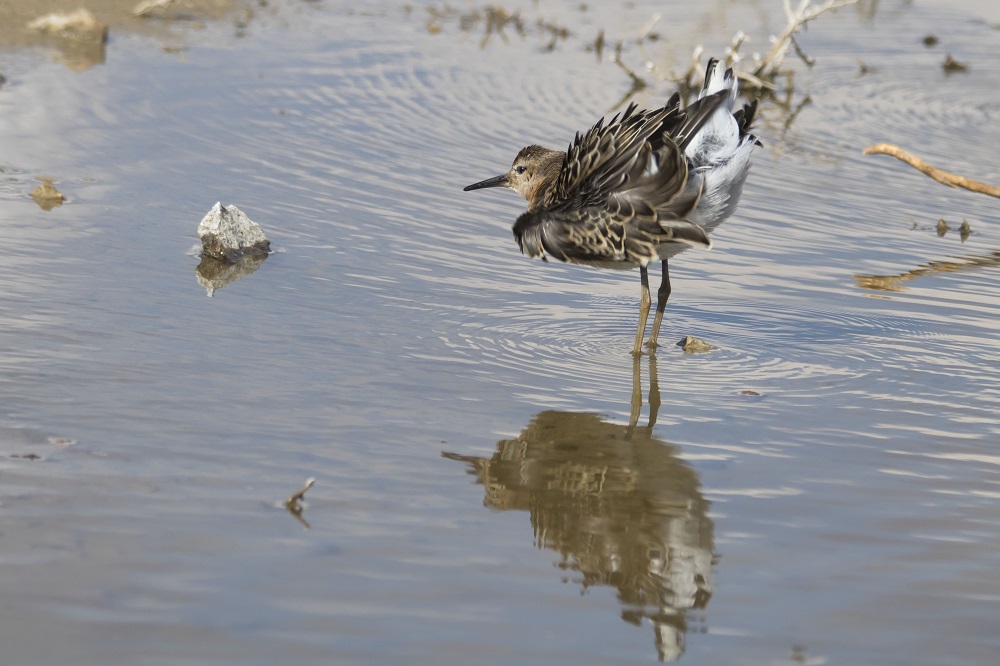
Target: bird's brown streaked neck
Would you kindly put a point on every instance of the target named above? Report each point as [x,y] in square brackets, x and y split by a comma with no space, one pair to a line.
[534,172]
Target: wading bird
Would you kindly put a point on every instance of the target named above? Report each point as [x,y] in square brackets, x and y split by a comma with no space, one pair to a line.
[643,187]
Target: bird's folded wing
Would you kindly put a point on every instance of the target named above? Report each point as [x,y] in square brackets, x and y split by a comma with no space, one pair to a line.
[581,234]
[596,234]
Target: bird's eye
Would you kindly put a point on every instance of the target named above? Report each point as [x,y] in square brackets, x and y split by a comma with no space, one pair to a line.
[520,169]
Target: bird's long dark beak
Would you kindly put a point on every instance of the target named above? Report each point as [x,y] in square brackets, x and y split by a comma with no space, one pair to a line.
[496,181]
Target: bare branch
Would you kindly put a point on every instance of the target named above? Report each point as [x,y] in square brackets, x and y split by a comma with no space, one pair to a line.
[296,498]
[949,179]
[805,12]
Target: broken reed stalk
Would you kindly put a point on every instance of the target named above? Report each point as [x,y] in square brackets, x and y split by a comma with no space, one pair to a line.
[949,179]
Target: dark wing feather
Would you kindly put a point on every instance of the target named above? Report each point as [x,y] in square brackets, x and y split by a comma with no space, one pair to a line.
[650,189]
[744,119]
[598,161]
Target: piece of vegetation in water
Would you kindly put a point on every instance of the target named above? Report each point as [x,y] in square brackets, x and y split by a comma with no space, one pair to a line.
[964,230]
[295,504]
[693,345]
[952,66]
[47,196]
[495,21]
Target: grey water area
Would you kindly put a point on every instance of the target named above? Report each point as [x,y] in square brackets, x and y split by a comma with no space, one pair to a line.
[822,488]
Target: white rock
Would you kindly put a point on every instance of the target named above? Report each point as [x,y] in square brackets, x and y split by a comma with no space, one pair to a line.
[227,234]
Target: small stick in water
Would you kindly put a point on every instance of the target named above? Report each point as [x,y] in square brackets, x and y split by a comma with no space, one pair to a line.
[296,499]
[949,179]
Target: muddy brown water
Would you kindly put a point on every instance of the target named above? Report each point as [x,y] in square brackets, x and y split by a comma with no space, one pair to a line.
[822,488]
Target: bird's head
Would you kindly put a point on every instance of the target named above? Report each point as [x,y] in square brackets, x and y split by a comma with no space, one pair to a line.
[534,171]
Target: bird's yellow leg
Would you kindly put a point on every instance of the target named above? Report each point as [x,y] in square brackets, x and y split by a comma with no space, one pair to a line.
[643,310]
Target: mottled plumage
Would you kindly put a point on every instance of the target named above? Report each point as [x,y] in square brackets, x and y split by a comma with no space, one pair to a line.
[643,187]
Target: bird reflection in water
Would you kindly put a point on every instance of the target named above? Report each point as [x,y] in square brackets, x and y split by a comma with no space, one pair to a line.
[618,505]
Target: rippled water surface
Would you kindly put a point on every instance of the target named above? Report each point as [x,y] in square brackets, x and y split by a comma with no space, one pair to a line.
[497,480]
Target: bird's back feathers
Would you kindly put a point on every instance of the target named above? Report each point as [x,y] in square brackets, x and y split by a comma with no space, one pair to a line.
[634,189]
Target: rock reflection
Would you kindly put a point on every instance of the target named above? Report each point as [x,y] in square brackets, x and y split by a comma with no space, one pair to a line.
[213,274]
[958,264]
[618,505]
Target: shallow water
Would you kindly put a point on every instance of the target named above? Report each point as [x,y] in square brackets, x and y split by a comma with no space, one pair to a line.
[820,489]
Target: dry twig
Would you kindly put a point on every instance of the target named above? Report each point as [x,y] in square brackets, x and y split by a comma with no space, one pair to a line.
[296,498]
[759,73]
[949,179]
[767,67]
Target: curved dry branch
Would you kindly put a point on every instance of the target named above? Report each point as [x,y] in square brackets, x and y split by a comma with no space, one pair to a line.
[949,179]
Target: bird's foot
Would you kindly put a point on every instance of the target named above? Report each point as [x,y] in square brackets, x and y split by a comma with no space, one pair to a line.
[647,349]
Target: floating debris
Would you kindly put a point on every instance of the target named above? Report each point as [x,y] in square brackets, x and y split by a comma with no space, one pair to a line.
[227,234]
[494,21]
[965,230]
[930,41]
[598,46]
[47,196]
[692,345]
[300,494]
[942,227]
[26,456]
[79,24]
[295,504]
[952,66]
